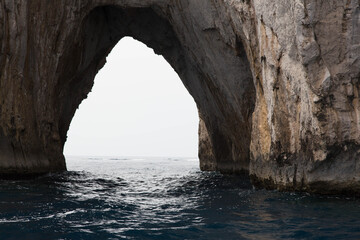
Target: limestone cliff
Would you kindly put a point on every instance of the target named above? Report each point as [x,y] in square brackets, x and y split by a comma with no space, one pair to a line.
[276,82]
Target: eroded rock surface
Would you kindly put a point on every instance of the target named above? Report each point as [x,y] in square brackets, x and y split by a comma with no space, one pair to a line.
[276,83]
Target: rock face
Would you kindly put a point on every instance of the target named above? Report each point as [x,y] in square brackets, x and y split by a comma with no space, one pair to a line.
[276,82]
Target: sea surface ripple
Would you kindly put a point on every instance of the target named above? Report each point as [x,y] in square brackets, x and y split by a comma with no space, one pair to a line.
[164,198]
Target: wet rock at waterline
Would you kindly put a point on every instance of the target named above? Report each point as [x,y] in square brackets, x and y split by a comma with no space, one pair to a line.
[276,82]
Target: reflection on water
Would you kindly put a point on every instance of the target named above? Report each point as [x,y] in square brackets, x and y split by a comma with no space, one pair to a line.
[115,198]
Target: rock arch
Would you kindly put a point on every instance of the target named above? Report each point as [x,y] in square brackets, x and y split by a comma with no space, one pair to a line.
[216,74]
[104,26]
[276,82]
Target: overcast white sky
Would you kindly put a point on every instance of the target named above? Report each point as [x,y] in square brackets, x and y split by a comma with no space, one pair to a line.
[137,107]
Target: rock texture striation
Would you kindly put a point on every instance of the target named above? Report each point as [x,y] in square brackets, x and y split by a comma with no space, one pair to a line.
[276,82]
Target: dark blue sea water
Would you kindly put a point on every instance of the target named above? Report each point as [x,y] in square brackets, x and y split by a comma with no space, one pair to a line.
[122,198]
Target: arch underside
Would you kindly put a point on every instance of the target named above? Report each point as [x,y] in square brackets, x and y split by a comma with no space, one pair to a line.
[219,96]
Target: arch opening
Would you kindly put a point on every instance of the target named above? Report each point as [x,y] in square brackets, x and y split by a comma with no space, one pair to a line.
[216,74]
[101,30]
[137,107]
